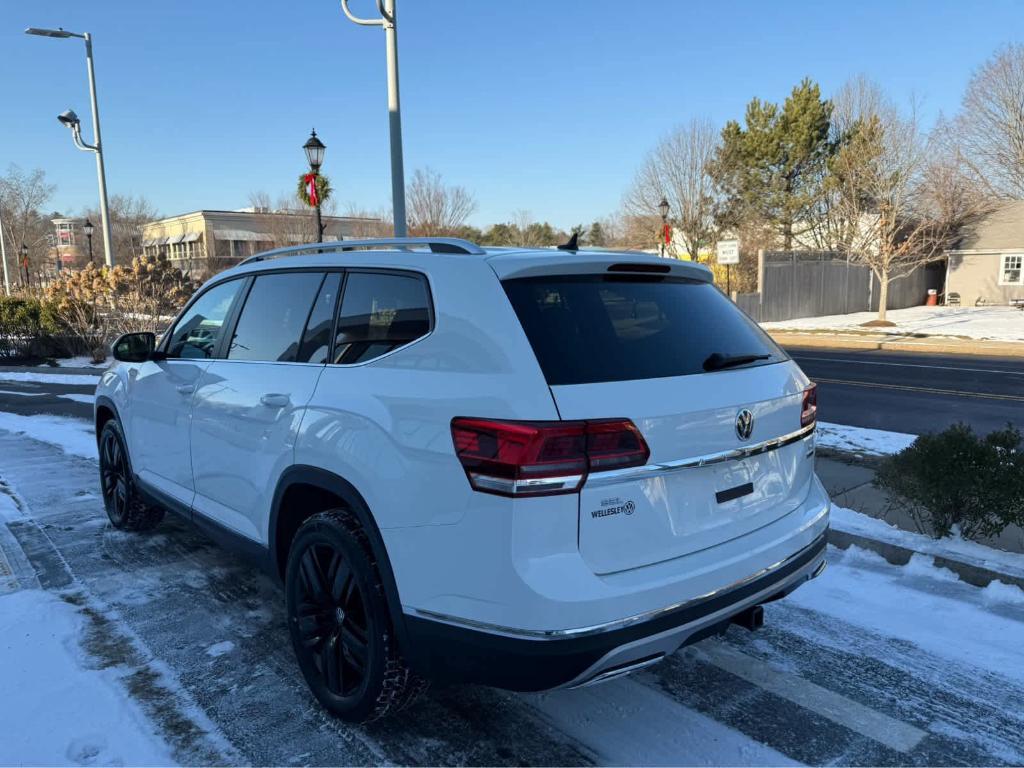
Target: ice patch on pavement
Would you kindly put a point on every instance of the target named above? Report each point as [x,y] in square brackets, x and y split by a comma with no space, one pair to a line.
[74,436]
[917,606]
[71,379]
[873,442]
[90,399]
[220,649]
[953,547]
[54,711]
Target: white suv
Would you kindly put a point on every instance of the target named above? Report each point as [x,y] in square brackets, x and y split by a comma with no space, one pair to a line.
[523,468]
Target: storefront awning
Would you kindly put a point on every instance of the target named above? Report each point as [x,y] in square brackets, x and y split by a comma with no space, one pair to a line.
[241,234]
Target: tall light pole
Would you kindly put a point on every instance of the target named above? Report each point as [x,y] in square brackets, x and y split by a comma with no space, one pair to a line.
[3,257]
[315,155]
[70,119]
[389,22]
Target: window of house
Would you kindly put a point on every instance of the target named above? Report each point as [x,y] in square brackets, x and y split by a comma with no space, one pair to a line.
[380,312]
[275,312]
[1012,269]
[197,332]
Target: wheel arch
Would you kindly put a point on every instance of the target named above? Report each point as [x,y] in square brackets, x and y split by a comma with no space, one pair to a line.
[302,483]
[105,411]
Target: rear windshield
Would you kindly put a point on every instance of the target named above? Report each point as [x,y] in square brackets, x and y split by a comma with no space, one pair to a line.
[597,328]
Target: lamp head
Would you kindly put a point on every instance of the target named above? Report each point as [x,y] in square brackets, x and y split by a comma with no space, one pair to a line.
[314,151]
[69,119]
[59,32]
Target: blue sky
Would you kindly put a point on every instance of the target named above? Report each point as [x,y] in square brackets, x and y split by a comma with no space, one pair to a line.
[542,105]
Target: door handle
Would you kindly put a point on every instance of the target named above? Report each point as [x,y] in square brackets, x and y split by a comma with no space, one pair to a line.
[186,389]
[275,401]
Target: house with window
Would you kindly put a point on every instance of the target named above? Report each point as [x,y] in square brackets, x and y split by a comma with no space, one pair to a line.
[987,264]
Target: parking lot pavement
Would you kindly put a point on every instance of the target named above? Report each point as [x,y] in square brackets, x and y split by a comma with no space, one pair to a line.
[869,664]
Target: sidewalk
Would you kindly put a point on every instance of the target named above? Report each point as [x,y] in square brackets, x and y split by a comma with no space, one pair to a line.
[944,345]
[864,516]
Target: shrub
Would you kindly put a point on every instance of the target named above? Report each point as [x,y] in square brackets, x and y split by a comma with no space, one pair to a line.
[957,479]
[29,328]
[99,304]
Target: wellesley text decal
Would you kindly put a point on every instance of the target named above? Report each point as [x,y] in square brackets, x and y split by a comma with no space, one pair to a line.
[615,506]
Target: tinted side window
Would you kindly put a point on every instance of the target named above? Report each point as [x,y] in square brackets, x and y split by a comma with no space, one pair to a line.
[199,329]
[316,341]
[380,312]
[270,325]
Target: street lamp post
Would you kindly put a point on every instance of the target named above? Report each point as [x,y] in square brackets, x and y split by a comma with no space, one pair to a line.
[315,155]
[663,208]
[24,263]
[388,20]
[70,119]
[88,228]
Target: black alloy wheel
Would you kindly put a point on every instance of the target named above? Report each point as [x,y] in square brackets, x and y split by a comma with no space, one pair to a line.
[333,623]
[125,508]
[340,624]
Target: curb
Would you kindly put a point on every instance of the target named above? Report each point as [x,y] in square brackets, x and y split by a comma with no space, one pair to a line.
[899,555]
[926,344]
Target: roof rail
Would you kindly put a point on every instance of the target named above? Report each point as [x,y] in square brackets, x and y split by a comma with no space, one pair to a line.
[435,244]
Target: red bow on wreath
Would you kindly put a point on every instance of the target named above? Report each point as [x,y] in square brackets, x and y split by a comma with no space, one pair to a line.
[311,189]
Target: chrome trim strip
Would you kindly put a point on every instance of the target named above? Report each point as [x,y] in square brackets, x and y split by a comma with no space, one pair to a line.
[598,479]
[532,485]
[556,634]
[611,674]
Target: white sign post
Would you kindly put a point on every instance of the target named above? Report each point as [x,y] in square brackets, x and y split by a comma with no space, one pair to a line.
[728,252]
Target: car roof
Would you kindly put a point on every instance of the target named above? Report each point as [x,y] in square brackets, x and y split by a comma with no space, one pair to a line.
[506,262]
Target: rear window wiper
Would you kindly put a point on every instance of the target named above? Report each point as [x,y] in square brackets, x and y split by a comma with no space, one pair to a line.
[717,361]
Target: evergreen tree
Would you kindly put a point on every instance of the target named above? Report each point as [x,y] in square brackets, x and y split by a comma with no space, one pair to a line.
[772,169]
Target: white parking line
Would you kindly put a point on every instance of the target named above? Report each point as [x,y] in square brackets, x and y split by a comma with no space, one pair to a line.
[839,709]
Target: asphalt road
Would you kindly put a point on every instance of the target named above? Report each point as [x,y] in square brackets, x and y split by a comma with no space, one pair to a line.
[915,393]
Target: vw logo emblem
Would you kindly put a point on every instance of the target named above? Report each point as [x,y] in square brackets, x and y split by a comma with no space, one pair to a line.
[744,424]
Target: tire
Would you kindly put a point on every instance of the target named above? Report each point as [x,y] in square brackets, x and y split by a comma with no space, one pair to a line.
[125,507]
[339,622]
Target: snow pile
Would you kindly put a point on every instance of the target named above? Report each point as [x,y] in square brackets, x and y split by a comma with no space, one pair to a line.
[53,710]
[74,436]
[918,604]
[995,323]
[954,548]
[71,379]
[873,442]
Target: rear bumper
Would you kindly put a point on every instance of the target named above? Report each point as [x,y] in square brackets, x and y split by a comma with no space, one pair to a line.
[459,650]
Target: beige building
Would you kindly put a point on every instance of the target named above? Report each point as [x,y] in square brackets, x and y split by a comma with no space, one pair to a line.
[987,265]
[205,242]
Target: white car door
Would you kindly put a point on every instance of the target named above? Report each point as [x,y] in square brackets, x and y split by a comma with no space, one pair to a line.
[161,392]
[249,405]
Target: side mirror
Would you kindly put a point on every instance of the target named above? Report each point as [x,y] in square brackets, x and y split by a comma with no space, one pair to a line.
[135,347]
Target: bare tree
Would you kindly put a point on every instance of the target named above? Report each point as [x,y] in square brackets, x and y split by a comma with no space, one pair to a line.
[676,170]
[22,197]
[436,208]
[991,123]
[901,197]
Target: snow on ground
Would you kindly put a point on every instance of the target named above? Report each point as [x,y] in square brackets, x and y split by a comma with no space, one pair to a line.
[81,361]
[74,436]
[873,442]
[954,548]
[90,399]
[71,379]
[56,711]
[919,604]
[996,323]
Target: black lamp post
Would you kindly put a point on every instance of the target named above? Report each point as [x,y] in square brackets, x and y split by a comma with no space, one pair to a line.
[663,208]
[315,155]
[88,229]
[24,263]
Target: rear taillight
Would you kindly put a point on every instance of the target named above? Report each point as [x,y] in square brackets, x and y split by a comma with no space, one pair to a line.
[809,408]
[539,458]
